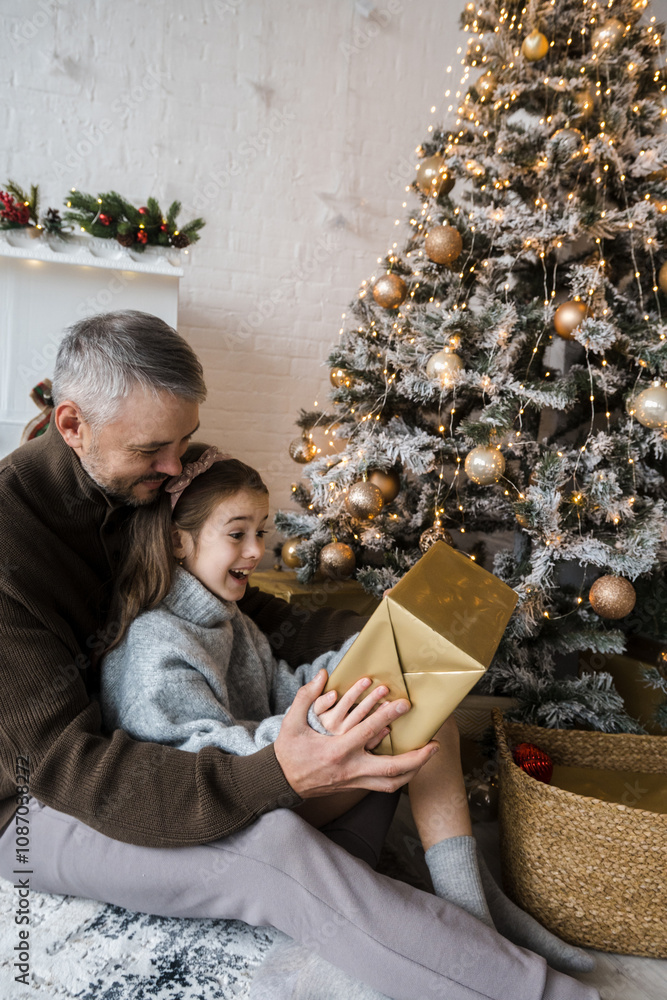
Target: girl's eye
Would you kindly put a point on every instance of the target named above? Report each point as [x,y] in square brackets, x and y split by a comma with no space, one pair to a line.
[146,454]
[260,534]
[236,535]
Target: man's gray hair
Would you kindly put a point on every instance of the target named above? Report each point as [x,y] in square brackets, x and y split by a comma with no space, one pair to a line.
[102,359]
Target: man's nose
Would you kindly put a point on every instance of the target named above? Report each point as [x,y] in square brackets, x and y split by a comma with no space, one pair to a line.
[169,463]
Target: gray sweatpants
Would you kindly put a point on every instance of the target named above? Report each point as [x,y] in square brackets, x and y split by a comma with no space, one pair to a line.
[405,943]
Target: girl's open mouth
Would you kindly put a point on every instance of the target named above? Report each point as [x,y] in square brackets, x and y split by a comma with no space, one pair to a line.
[240,574]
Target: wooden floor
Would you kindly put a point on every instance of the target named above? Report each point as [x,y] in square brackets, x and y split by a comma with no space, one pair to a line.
[616,977]
[625,977]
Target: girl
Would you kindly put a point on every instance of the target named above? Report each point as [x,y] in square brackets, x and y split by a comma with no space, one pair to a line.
[187,668]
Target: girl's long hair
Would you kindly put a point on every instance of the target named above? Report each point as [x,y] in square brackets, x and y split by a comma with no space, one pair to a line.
[148,561]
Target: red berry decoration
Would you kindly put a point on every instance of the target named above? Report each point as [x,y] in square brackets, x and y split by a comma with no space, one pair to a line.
[164,228]
[13,210]
[534,761]
[143,210]
[106,220]
[142,236]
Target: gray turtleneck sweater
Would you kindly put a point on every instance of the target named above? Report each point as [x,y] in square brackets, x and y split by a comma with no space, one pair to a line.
[196,672]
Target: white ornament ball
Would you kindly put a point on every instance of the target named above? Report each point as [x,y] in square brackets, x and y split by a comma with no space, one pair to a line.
[444,365]
[484,465]
[650,407]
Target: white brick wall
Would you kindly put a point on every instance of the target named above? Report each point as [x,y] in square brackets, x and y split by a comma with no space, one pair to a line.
[286,125]
[279,123]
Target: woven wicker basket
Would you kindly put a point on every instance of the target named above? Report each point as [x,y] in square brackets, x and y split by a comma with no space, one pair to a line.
[593,872]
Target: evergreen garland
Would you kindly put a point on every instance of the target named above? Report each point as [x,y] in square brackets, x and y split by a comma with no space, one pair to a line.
[111,216]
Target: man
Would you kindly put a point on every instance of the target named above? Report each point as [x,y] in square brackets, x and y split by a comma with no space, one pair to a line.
[156,829]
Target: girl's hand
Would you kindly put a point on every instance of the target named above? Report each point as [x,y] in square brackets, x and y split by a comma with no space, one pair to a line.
[338,717]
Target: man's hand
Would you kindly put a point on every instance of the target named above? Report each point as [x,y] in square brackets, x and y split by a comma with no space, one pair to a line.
[317,765]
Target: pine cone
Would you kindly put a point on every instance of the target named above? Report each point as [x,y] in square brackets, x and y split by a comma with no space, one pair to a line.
[125,239]
[179,240]
[52,222]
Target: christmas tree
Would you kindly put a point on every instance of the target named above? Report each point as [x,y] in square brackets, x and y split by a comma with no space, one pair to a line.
[500,381]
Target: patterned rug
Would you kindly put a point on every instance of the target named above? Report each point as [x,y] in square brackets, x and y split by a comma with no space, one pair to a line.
[93,951]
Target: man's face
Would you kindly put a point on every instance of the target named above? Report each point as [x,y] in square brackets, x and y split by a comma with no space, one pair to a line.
[131,456]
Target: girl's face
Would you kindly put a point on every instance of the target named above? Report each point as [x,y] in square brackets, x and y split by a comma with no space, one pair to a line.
[230,544]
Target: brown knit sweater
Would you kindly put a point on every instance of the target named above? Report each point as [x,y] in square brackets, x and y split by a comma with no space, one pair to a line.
[61,539]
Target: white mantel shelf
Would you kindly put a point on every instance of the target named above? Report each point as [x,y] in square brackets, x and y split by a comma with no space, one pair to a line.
[79,252]
[46,285]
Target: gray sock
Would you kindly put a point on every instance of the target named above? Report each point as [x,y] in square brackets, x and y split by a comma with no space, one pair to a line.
[452,864]
[291,972]
[522,929]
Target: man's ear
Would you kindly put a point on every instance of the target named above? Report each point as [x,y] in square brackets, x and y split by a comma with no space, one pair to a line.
[69,421]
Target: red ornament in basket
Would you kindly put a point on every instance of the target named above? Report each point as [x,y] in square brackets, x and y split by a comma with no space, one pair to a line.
[533,761]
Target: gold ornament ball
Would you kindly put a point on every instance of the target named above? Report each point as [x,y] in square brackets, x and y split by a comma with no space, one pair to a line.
[484,465]
[444,365]
[584,101]
[568,316]
[389,291]
[443,244]
[612,597]
[302,450]
[388,483]
[486,85]
[433,178]
[289,556]
[651,407]
[662,278]
[340,377]
[337,561]
[608,34]
[365,500]
[432,535]
[535,46]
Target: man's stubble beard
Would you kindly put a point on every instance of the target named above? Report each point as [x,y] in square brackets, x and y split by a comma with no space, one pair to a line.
[115,487]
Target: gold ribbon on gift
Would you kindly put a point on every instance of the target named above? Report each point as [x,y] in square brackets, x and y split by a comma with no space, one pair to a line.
[430,641]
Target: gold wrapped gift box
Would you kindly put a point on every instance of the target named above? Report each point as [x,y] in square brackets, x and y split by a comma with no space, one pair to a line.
[627,672]
[429,641]
[342,595]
